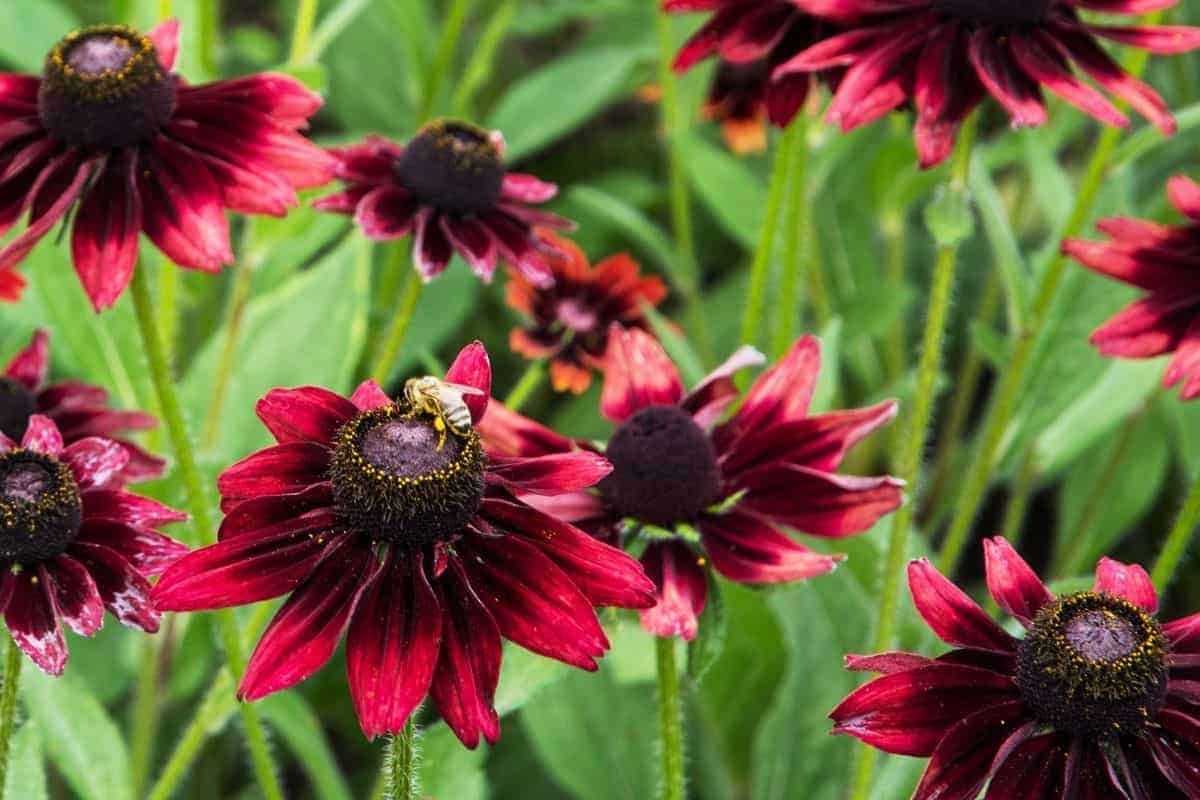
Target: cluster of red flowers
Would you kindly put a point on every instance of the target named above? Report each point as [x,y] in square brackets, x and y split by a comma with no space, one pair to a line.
[429,527]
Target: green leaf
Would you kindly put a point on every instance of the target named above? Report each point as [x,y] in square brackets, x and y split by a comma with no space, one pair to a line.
[33,28]
[549,103]
[1003,240]
[26,779]
[949,217]
[522,676]
[449,770]
[704,651]
[300,729]
[82,740]
[734,194]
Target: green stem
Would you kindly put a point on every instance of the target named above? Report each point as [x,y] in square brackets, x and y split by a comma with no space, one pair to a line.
[787,309]
[238,298]
[306,18]
[400,763]
[443,56]
[1178,540]
[144,724]
[398,328]
[479,67]
[1018,501]
[916,434]
[895,348]
[185,456]
[670,722]
[673,125]
[168,303]
[760,267]
[8,706]
[528,383]
[1008,392]
[164,9]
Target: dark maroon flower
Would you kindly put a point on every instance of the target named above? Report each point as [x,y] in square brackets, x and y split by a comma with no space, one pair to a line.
[1096,701]
[78,409]
[752,38]
[569,320]
[450,189]
[111,132]
[706,492]
[71,545]
[413,543]
[944,56]
[1165,261]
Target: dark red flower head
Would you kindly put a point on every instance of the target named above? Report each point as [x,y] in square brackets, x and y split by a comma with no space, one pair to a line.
[944,56]
[385,519]
[569,320]
[1165,261]
[752,39]
[707,492]
[110,131]
[1097,700]
[78,409]
[71,545]
[450,188]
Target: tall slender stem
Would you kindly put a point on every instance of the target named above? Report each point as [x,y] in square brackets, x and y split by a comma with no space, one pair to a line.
[185,456]
[670,722]
[398,328]
[681,210]
[306,18]
[1178,540]
[8,706]
[760,267]
[787,310]
[1022,490]
[1013,380]
[400,763]
[528,383]
[143,728]
[238,298]
[917,433]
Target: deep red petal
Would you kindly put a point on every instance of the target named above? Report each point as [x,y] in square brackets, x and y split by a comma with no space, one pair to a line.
[306,414]
[748,551]
[1127,581]
[473,368]
[1012,583]
[550,475]
[637,374]
[507,433]
[681,587]
[951,614]
[816,502]
[29,367]
[282,469]
[95,461]
[32,622]
[104,238]
[76,597]
[125,591]
[42,436]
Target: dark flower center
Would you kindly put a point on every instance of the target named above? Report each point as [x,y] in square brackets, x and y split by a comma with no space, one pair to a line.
[40,509]
[1093,665]
[103,88]
[17,404]
[453,167]
[576,315]
[396,478]
[996,12]
[664,467]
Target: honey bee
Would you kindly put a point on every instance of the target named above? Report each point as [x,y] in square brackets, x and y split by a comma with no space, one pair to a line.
[442,400]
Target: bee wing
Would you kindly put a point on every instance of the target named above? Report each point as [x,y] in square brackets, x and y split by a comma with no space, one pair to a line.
[461,389]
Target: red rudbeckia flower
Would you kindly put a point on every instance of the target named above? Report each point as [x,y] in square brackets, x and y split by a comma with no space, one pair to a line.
[710,493]
[752,38]
[384,519]
[569,320]
[110,131]
[1165,261]
[450,189]
[78,409]
[944,56]
[70,544]
[1097,699]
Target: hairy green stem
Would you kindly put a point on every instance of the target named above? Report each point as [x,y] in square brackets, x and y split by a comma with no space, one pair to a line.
[185,456]
[917,433]
[526,385]
[8,706]
[398,328]
[239,297]
[673,125]
[1012,381]
[400,763]
[794,245]
[143,728]
[670,722]
[306,19]
[768,235]
[1178,540]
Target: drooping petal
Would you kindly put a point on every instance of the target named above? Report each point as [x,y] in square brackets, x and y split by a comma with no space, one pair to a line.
[551,474]
[149,551]
[637,374]
[963,758]
[431,249]
[125,591]
[29,367]
[464,684]
[386,213]
[253,515]
[76,598]
[32,622]
[393,643]
[306,414]
[780,395]
[473,368]
[104,238]
[1012,583]
[1127,581]
[746,550]
[886,663]
[816,502]
[63,179]
[1035,768]
[306,630]
[182,209]
[113,505]
[681,589]
[507,433]
[95,462]
[527,188]
[951,614]
[713,395]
